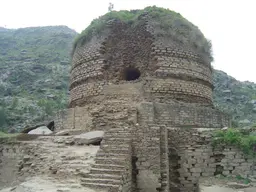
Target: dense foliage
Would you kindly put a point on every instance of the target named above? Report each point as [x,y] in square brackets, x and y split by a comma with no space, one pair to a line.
[168,23]
[236,98]
[242,139]
[34,73]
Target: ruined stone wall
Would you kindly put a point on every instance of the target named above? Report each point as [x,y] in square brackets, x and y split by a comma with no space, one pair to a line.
[189,115]
[73,118]
[146,142]
[64,119]
[183,115]
[96,115]
[192,157]
[10,155]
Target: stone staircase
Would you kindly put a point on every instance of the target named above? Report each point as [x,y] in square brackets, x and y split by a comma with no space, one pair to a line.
[112,166]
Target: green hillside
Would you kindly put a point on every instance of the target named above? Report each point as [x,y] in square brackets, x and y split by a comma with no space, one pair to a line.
[34,73]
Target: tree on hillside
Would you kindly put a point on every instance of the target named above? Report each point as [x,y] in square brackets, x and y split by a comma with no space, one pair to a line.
[110,7]
[2,118]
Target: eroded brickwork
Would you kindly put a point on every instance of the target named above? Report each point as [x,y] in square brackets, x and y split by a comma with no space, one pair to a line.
[169,72]
[139,84]
[193,156]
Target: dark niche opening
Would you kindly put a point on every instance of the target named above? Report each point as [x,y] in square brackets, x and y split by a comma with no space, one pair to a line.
[219,170]
[131,74]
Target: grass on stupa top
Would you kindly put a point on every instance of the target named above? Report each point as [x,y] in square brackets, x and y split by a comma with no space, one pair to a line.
[169,24]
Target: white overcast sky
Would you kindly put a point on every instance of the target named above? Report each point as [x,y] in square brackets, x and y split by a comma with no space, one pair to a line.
[230,24]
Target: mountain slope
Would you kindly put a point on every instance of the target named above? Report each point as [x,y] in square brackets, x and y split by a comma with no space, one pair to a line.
[34,77]
[235,97]
[34,73]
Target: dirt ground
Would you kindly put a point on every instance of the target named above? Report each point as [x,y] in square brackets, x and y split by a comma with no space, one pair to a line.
[216,188]
[42,183]
[220,184]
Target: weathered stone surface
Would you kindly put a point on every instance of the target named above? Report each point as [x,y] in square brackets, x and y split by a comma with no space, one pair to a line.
[43,130]
[30,128]
[63,133]
[237,185]
[93,137]
[251,189]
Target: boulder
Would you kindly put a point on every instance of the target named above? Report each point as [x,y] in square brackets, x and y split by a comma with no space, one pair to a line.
[43,130]
[28,128]
[90,138]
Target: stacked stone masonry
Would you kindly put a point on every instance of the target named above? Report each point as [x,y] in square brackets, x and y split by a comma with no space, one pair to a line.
[156,94]
[174,73]
[197,158]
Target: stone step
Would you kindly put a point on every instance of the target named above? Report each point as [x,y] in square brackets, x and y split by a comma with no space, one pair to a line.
[120,135]
[115,144]
[117,138]
[116,150]
[117,134]
[110,160]
[78,166]
[118,130]
[101,181]
[106,171]
[105,176]
[69,162]
[100,185]
[83,173]
[112,143]
[104,154]
[109,166]
[104,160]
[106,144]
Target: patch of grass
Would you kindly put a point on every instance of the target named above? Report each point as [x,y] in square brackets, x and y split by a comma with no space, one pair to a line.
[168,23]
[7,135]
[242,179]
[236,137]
[97,26]
[237,178]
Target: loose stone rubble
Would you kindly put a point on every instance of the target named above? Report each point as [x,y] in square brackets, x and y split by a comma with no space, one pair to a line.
[48,161]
